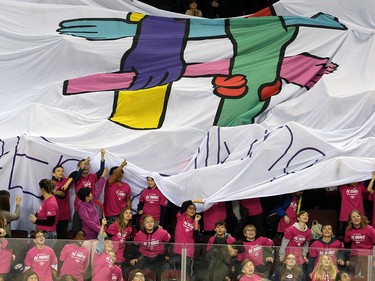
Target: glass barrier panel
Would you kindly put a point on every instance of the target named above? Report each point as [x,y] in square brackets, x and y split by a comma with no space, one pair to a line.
[104,260]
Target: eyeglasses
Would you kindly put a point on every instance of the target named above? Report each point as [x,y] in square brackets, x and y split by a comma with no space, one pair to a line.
[139,275]
[39,236]
[191,208]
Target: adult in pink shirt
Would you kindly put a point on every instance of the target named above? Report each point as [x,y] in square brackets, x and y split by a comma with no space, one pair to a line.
[351,199]
[296,239]
[187,223]
[151,240]
[75,258]
[257,249]
[288,211]
[152,202]
[116,194]
[120,231]
[83,178]
[41,259]
[61,192]
[46,216]
[362,238]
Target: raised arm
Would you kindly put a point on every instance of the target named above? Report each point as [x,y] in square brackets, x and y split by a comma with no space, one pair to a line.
[371,184]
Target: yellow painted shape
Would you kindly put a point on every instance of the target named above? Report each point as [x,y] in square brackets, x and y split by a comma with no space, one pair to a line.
[141,109]
[136,17]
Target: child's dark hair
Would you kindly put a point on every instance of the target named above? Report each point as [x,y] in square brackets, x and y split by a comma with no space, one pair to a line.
[47,185]
[83,193]
[58,166]
[221,223]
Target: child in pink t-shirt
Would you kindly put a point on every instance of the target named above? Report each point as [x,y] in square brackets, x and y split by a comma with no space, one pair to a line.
[41,259]
[63,200]
[187,224]
[221,236]
[75,258]
[248,271]
[296,239]
[351,199]
[120,231]
[151,240]
[152,202]
[258,249]
[116,193]
[362,238]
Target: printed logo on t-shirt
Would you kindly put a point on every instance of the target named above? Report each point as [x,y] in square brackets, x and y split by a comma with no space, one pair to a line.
[152,198]
[293,205]
[327,252]
[358,238]
[78,256]
[255,251]
[188,226]
[121,195]
[41,258]
[352,193]
[299,239]
[87,184]
[150,245]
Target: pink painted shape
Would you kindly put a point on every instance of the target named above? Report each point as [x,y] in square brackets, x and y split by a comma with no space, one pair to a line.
[305,70]
[100,82]
[208,68]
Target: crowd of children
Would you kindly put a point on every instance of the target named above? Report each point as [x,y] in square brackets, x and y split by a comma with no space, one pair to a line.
[120,244]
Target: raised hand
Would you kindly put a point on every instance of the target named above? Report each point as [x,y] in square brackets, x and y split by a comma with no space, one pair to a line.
[96,29]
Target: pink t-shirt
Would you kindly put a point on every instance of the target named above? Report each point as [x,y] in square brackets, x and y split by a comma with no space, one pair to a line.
[254,250]
[153,199]
[102,267]
[116,274]
[250,278]
[115,197]
[75,261]
[291,212]
[351,199]
[121,238]
[297,239]
[184,233]
[89,182]
[41,261]
[5,257]
[48,208]
[362,240]
[152,244]
[63,203]
[253,206]
[217,212]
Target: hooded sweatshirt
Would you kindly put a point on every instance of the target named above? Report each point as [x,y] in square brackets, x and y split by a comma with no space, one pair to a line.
[319,247]
[296,242]
[151,244]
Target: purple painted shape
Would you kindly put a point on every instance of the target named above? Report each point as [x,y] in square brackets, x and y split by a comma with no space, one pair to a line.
[156,55]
